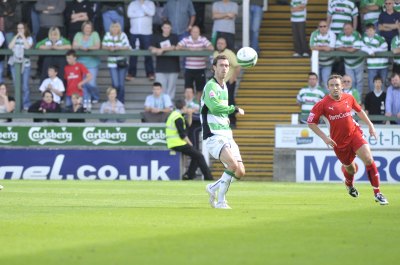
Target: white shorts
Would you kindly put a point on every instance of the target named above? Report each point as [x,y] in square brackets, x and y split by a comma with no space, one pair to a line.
[215,144]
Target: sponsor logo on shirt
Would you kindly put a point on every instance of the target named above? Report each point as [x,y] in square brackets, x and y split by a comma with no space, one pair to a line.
[211,94]
[339,116]
[310,117]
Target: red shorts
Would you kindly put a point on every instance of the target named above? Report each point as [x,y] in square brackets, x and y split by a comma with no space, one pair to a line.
[347,154]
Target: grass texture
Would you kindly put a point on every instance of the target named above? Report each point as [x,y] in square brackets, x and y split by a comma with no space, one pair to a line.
[102,222]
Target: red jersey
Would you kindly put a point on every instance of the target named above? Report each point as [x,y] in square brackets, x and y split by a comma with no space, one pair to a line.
[338,113]
[74,74]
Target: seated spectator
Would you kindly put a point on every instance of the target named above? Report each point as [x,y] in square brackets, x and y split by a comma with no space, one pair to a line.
[7,103]
[3,45]
[308,96]
[392,103]
[22,40]
[53,84]
[45,105]
[350,41]
[76,13]
[140,13]
[76,76]
[54,42]
[88,40]
[348,88]
[231,77]
[112,106]
[178,140]
[157,105]
[323,39]
[224,14]
[76,107]
[195,67]
[376,66]
[375,101]
[167,67]
[298,10]
[116,40]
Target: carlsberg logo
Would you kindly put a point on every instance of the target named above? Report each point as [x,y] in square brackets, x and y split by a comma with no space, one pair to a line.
[45,135]
[9,136]
[151,137]
[100,136]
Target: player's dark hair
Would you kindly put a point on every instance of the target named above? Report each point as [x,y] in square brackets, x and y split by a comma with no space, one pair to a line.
[369,26]
[334,76]
[180,103]
[312,74]
[219,57]
[157,84]
[54,67]
[71,53]
[166,22]
[377,77]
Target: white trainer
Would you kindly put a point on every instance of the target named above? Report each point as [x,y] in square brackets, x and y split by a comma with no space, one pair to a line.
[211,194]
[222,205]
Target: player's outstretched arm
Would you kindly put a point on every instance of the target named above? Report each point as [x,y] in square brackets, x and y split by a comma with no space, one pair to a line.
[314,127]
[363,116]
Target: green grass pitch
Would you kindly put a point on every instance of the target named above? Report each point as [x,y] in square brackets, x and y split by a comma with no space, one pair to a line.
[100,222]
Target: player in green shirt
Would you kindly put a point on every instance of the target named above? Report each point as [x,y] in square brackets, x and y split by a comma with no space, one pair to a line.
[217,134]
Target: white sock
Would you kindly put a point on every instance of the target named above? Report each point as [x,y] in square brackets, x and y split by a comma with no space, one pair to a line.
[225,181]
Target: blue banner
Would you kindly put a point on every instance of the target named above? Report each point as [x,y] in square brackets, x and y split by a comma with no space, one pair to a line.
[89,164]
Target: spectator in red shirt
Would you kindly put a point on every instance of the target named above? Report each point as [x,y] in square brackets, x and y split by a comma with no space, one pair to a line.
[346,136]
[75,75]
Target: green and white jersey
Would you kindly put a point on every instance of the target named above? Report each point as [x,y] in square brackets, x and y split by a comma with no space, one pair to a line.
[329,39]
[396,44]
[298,16]
[351,41]
[308,97]
[354,93]
[341,11]
[215,110]
[371,16]
[376,44]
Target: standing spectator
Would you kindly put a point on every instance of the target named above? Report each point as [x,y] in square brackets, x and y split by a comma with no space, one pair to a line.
[116,40]
[76,13]
[224,14]
[231,76]
[308,96]
[178,140]
[8,18]
[3,45]
[370,11]
[395,45]
[375,100]
[389,22]
[167,67]
[341,12]
[200,9]
[195,67]
[51,14]
[7,103]
[45,105]
[112,105]
[348,88]
[323,39]
[182,15]
[112,12]
[256,16]
[141,14]
[192,112]
[54,42]
[88,40]
[76,107]
[22,40]
[373,43]
[76,76]
[53,84]
[350,41]
[157,105]
[298,9]
[392,104]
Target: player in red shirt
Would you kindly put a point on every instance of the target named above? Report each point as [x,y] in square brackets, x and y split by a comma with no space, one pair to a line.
[346,136]
[76,75]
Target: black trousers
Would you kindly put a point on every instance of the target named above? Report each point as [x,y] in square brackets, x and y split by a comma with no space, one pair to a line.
[197,160]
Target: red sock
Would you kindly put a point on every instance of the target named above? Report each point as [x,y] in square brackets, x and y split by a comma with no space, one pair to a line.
[373,176]
[349,178]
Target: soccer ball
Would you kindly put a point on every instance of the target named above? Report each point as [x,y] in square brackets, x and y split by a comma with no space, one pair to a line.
[246,57]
